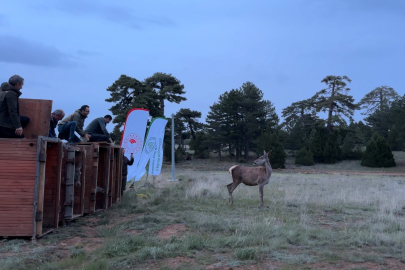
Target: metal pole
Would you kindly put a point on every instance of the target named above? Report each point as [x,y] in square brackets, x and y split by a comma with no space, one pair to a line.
[172,147]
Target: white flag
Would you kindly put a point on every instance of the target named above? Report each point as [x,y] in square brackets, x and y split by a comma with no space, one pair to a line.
[153,143]
[156,161]
[133,136]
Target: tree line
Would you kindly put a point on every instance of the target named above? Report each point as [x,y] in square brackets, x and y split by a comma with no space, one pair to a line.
[320,128]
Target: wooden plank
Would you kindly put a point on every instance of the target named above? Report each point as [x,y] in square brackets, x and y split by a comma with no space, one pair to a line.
[39,112]
[16,214]
[11,217]
[16,208]
[111,191]
[58,183]
[18,189]
[41,186]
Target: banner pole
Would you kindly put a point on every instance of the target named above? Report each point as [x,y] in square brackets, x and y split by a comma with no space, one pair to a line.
[172,147]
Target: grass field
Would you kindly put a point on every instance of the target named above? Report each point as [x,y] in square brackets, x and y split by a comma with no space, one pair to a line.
[310,221]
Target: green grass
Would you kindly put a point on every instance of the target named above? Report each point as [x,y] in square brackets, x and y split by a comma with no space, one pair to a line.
[307,219]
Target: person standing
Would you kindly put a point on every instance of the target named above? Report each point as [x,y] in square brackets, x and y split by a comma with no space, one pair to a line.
[98,131]
[125,163]
[12,124]
[72,123]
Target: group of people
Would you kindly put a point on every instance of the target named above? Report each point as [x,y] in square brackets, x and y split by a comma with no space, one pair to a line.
[12,124]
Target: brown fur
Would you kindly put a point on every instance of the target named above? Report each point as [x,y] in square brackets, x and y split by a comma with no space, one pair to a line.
[251,176]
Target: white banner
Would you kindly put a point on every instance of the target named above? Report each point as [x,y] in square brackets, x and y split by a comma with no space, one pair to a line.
[133,136]
[153,144]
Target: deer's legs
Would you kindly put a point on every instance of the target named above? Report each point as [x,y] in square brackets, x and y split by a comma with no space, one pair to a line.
[261,195]
[231,187]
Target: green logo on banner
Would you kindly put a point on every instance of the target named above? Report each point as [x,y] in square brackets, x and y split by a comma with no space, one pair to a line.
[150,145]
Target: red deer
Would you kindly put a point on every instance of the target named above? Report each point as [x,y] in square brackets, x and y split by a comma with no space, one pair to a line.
[251,176]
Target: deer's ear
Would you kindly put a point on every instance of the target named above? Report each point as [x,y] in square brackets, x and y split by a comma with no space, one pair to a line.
[269,153]
[264,152]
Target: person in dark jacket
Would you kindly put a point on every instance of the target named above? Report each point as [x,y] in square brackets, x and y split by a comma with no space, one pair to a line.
[98,131]
[125,163]
[72,123]
[12,124]
[56,116]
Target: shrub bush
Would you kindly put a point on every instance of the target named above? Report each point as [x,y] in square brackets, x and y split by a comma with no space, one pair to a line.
[304,157]
[378,153]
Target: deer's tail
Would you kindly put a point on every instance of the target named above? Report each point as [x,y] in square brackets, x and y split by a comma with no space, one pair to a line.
[231,168]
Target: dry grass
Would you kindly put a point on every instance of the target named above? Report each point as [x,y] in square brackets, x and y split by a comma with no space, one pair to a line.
[309,221]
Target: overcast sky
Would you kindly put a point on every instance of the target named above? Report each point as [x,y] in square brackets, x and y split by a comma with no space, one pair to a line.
[72,51]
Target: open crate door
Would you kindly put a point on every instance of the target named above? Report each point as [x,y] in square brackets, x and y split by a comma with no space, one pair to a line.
[103,176]
[90,172]
[47,184]
[72,192]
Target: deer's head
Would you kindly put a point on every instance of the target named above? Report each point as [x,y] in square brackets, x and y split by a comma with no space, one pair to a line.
[263,159]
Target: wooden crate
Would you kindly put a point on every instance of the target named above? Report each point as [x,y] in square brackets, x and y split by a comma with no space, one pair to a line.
[72,196]
[39,111]
[30,179]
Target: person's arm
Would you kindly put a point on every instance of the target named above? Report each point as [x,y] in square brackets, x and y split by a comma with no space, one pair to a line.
[77,118]
[52,133]
[101,122]
[12,110]
[132,160]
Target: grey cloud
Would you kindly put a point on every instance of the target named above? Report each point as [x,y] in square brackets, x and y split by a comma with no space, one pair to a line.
[17,50]
[87,53]
[116,14]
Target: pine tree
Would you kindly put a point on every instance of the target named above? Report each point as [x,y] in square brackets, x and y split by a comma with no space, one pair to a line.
[270,141]
[200,145]
[335,101]
[190,119]
[128,93]
[349,150]
[317,146]
[331,151]
[167,87]
[394,139]
[377,99]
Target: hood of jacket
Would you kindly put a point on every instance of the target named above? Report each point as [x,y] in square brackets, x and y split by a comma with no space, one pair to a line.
[8,87]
